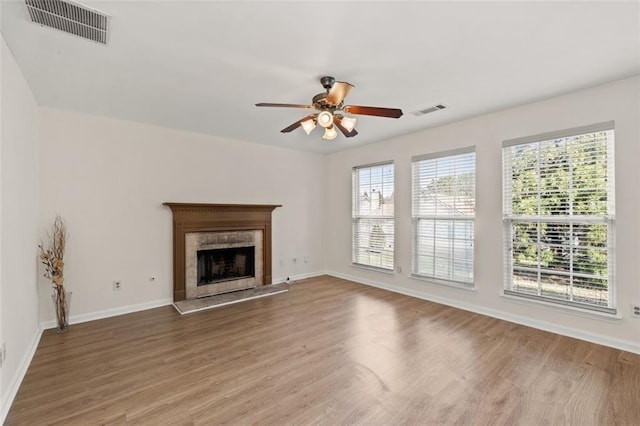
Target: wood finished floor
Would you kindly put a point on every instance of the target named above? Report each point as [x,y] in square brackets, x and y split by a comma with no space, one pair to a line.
[327,352]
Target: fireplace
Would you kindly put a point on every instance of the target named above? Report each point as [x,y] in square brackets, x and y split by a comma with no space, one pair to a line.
[218,248]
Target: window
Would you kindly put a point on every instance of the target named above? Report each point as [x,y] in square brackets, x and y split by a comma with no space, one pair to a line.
[559,217]
[372,216]
[444,206]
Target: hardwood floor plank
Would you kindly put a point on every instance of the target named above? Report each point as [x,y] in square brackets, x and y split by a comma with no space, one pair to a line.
[329,351]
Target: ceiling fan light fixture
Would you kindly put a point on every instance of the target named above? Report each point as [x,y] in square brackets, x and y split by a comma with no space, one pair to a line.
[308,125]
[348,123]
[325,119]
[329,108]
[330,133]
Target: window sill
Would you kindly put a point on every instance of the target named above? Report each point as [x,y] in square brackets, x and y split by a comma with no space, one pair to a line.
[373,268]
[452,284]
[581,312]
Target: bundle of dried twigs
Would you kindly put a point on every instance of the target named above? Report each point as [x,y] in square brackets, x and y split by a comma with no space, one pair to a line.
[52,256]
[52,259]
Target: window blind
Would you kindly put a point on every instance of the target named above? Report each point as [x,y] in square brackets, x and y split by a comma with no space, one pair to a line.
[373,227]
[559,211]
[443,214]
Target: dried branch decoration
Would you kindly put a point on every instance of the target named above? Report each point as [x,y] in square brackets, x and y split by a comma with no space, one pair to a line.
[52,257]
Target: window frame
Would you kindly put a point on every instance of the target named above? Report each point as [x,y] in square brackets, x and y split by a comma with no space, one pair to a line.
[452,219]
[356,218]
[510,219]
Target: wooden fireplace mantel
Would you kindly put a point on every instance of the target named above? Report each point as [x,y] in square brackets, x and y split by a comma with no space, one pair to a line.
[199,217]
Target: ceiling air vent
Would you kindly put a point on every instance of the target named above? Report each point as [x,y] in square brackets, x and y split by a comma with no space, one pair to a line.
[430,109]
[70,18]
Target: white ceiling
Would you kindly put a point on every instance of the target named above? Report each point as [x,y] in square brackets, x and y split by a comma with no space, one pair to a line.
[201,66]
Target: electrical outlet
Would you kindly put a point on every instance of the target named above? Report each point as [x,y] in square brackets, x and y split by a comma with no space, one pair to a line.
[635,311]
[117,285]
[306,259]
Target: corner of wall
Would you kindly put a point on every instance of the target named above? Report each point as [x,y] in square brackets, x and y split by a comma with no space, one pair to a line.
[16,379]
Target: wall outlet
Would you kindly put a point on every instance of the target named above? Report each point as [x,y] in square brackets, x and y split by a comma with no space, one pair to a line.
[635,311]
[117,285]
[306,259]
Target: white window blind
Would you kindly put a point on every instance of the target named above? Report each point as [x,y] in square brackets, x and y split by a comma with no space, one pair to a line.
[444,205]
[373,215]
[559,217]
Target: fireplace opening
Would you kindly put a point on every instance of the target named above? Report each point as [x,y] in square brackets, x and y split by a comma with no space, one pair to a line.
[225,264]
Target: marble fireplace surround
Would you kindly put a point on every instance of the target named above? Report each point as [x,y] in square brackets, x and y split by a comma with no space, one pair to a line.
[195,241]
[189,218]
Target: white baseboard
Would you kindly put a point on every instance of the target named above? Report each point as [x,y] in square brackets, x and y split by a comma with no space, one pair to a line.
[16,380]
[77,319]
[294,278]
[541,325]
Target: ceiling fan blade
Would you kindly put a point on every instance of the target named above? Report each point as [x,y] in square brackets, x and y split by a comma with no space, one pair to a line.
[267,104]
[338,122]
[376,111]
[297,124]
[338,92]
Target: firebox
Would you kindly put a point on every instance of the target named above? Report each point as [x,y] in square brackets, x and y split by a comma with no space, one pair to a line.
[225,264]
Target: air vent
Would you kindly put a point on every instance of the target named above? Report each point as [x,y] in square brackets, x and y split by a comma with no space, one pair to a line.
[430,109]
[70,18]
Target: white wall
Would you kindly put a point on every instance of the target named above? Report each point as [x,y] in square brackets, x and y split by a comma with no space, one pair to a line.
[109,178]
[617,101]
[2,47]
[18,219]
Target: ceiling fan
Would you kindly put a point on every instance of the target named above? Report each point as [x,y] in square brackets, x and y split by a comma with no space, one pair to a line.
[329,104]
